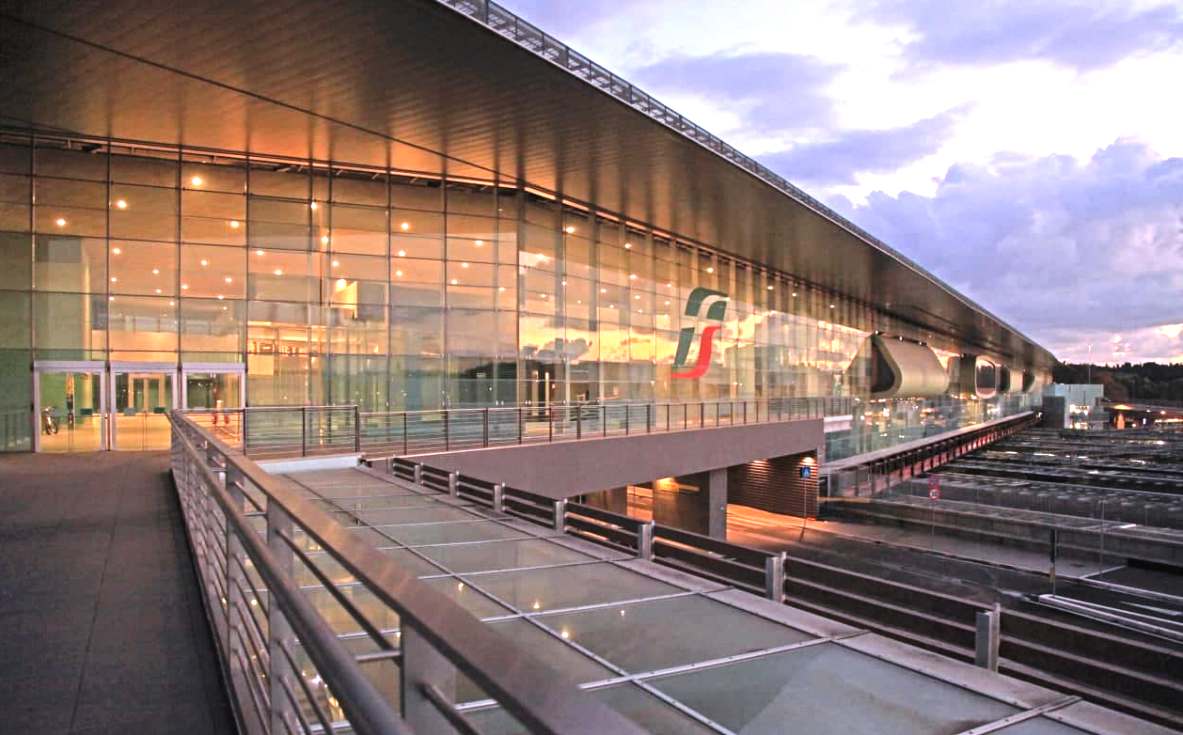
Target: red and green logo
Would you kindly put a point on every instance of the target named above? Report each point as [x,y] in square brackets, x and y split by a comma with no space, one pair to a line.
[715,303]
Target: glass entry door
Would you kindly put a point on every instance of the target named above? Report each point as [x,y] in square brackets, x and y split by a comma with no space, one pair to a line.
[70,409]
[141,400]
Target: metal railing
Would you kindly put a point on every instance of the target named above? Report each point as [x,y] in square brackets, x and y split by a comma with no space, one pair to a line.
[882,470]
[754,570]
[285,666]
[309,430]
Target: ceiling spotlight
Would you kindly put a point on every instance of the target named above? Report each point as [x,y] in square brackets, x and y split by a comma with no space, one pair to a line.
[159,291]
[770,287]
[402,253]
[455,281]
[632,276]
[324,239]
[196,181]
[184,287]
[234,224]
[114,279]
[405,226]
[278,271]
[335,263]
[121,204]
[116,251]
[259,252]
[220,297]
[228,279]
[479,243]
[569,229]
[628,246]
[204,262]
[313,206]
[398,274]
[60,221]
[710,269]
[156,271]
[464,265]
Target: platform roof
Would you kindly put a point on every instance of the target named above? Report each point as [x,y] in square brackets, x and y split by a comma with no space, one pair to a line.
[378,81]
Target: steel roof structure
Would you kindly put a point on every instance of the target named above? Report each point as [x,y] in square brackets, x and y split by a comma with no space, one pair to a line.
[487,90]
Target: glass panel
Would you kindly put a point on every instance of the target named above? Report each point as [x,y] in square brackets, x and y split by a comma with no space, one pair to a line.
[692,629]
[140,413]
[829,690]
[447,533]
[589,584]
[501,555]
[144,268]
[213,390]
[70,264]
[70,326]
[643,708]
[70,414]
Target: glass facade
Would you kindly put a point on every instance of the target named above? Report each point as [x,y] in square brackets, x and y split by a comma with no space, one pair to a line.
[406,288]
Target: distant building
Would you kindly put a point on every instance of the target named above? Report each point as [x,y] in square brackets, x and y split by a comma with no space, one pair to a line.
[1075,406]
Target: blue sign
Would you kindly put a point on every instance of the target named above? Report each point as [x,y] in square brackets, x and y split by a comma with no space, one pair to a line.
[806,471]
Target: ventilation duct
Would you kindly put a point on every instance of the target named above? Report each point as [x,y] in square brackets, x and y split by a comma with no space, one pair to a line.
[904,369]
[979,376]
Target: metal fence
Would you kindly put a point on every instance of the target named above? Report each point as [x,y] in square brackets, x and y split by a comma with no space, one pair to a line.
[884,469]
[754,570]
[285,667]
[308,430]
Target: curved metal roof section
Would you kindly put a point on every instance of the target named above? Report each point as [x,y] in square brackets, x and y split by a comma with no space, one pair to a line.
[378,82]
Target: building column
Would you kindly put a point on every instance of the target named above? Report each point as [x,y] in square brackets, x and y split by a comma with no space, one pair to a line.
[717,504]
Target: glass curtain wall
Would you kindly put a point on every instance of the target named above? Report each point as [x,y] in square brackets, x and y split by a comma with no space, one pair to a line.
[394,289]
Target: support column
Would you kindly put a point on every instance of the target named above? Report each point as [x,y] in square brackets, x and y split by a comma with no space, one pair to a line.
[717,504]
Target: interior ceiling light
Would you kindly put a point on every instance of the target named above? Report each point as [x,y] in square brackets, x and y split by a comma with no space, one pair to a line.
[121,203]
[196,181]
[405,226]
[234,224]
[60,221]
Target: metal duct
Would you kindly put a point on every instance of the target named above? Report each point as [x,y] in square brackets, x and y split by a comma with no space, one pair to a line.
[979,376]
[905,369]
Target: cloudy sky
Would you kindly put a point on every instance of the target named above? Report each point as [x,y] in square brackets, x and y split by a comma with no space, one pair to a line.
[1029,152]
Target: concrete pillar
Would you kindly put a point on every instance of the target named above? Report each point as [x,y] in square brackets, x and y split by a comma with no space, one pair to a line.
[717,504]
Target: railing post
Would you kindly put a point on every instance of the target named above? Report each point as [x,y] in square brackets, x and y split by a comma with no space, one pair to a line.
[303,431]
[519,424]
[604,421]
[560,515]
[447,432]
[745,412]
[774,577]
[648,418]
[578,421]
[550,423]
[986,638]
[404,432]
[244,432]
[485,427]
[279,634]
[499,498]
[356,428]
[418,473]
[667,417]
[454,484]
[645,541]
[627,419]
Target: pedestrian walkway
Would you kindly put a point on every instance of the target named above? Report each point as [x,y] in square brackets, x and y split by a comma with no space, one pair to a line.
[101,626]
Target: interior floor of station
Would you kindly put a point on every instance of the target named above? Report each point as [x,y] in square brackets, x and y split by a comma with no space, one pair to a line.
[101,622]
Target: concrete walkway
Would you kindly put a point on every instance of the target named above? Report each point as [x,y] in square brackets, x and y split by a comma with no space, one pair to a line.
[101,626]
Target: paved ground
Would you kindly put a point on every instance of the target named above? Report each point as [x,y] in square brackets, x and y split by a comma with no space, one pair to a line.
[101,627]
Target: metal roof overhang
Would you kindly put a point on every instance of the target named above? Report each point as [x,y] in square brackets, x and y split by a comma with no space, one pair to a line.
[346,79]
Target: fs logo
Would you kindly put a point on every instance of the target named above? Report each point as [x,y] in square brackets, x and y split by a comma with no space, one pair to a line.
[715,311]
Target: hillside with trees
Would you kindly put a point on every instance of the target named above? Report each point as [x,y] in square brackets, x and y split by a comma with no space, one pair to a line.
[1127,382]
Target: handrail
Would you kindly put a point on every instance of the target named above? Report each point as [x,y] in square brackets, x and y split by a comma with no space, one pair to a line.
[542,699]
[368,711]
[745,567]
[337,429]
